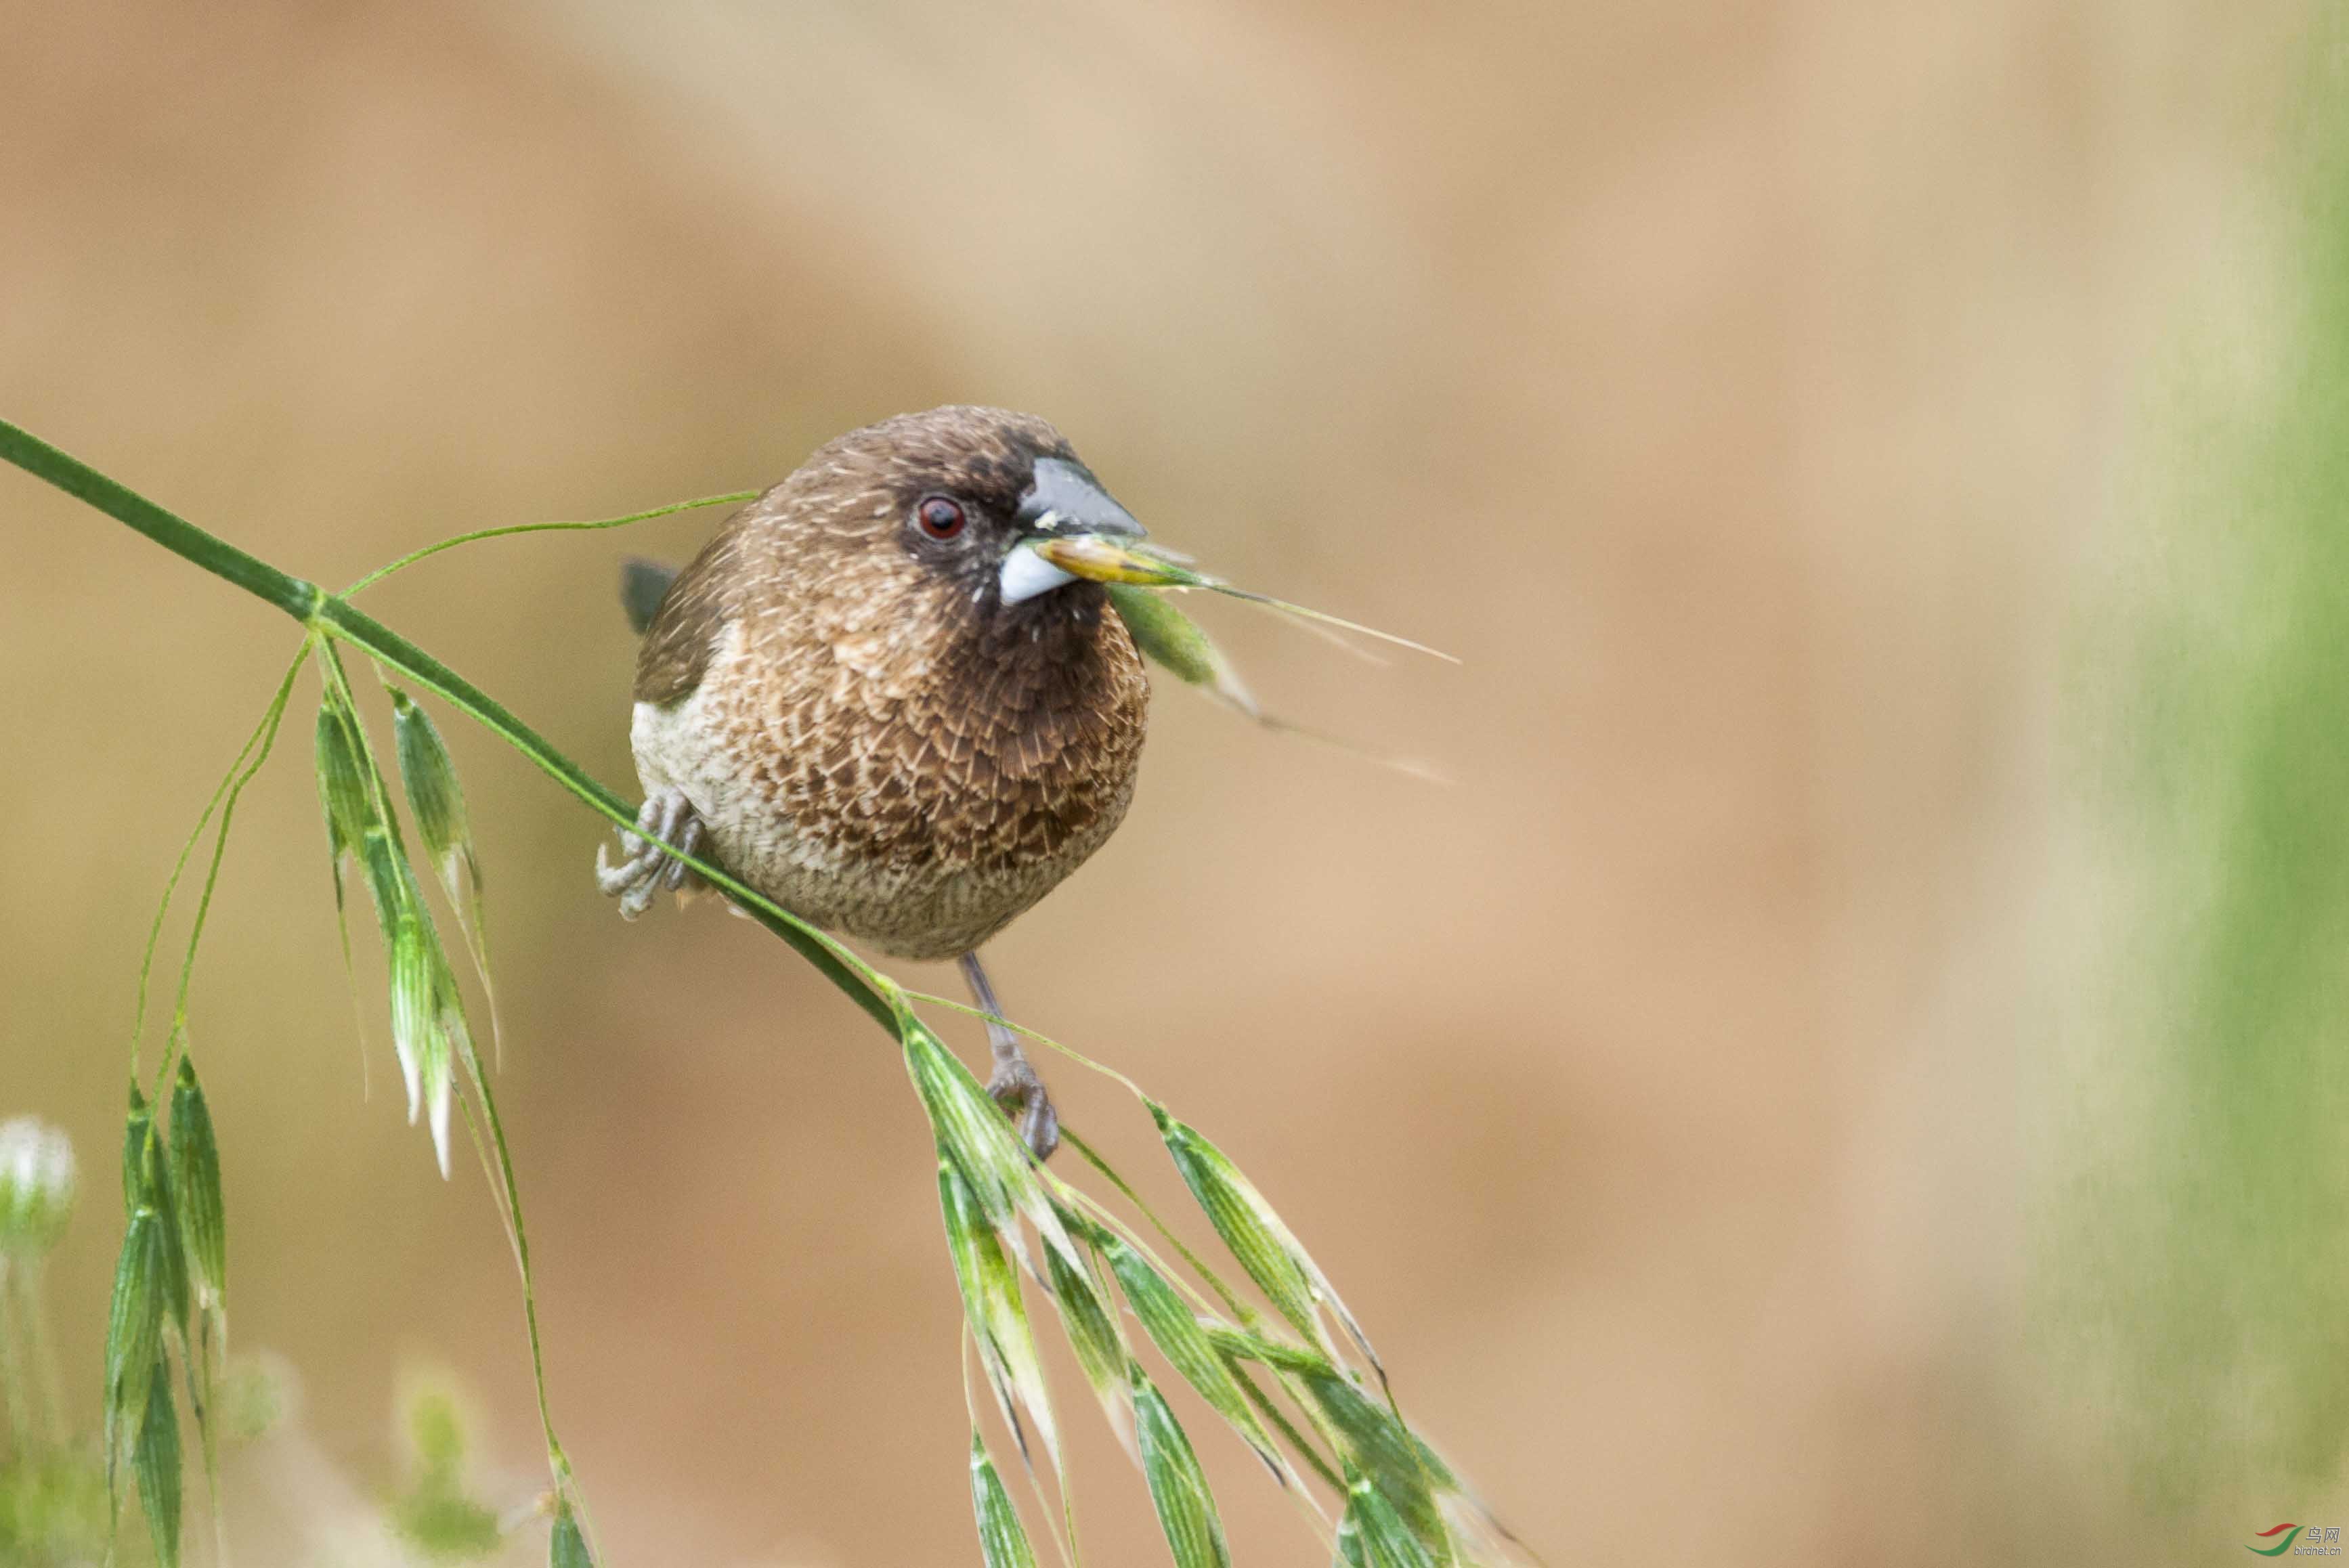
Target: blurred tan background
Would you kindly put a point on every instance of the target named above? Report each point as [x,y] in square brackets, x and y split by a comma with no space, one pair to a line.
[1729,386]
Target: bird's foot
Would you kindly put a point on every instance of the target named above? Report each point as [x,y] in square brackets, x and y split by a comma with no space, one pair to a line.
[1015,1086]
[1017,1089]
[666,816]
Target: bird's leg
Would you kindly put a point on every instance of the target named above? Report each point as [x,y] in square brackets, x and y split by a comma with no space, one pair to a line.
[668,816]
[1014,1084]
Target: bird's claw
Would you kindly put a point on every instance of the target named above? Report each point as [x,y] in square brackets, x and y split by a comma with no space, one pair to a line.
[1016,1087]
[668,817]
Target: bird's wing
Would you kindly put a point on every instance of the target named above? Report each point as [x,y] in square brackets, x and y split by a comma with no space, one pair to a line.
[684,626]
[642,585]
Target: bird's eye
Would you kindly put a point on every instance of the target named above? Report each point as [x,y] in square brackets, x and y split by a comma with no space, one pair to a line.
[940,516]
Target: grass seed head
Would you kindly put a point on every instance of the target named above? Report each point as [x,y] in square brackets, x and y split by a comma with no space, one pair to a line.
[968,1126]
[196,1188]
[1384,1454]
[567,1545]
[1254,1233]
[1001,1538]
[429,777]
[342,788]
[437,801]
[1179,1487]
[435,798]
[1167,1318]
[974,1135]
[147,1185]
[1174,641]
[996,1313]
[428,1018]
[156,1465]
[134,1331]
[1103,559]
[1093,1335]
[1374,1535]
[423,993]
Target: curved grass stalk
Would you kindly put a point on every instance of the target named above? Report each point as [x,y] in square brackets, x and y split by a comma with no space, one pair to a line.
[413,556]
[511,1193]
[267,736]
[187,852]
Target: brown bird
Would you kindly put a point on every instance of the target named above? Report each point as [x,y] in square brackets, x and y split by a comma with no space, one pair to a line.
[871,700]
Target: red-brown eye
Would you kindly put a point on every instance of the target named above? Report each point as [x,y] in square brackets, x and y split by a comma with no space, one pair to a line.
[940,517]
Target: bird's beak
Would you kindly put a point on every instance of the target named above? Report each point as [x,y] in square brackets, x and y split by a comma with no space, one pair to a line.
[1070,528]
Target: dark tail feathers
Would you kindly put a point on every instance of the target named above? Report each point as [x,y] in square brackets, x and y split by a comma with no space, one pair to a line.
[643,585]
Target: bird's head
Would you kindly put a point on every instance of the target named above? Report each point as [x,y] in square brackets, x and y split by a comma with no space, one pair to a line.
[966,511]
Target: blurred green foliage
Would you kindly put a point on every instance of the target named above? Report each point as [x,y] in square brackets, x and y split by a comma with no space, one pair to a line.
[52,1508]
[437,1514]
[2202,1256]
